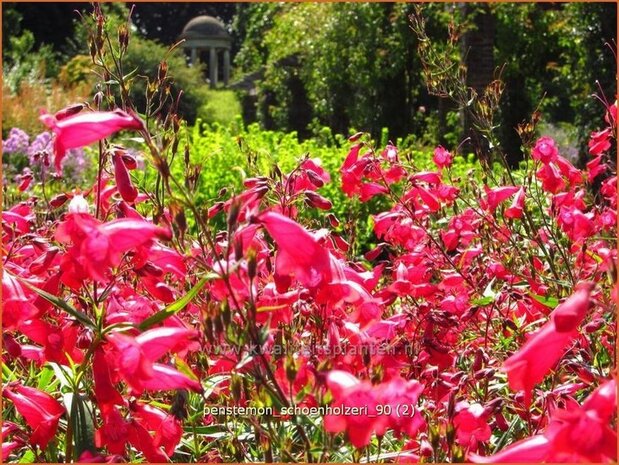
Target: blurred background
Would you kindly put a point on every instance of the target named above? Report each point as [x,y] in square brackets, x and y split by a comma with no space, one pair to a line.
[336,67]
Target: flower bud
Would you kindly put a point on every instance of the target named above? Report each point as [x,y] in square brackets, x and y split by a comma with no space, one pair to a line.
[355,137]
[236,386]
[478,362]
[238,248]
[226,314]
[69,111]
[333,221]
[290,367]
[450,433]
[233,214]
[208,330]
[251,264]
[162,72]
[314,178]
[123,37]
[317,200]
[218,324]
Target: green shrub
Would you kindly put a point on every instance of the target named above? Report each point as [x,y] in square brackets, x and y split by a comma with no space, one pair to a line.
[144,56]
[222,106]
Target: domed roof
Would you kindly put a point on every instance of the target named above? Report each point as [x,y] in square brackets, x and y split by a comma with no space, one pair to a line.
[202,27]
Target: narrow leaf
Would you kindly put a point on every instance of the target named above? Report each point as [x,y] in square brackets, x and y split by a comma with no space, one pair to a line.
[60,303]
[178,305]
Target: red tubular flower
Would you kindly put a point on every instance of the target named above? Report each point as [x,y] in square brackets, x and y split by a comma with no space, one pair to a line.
[600,141]
[471,423]
[515,210]
[298,252]
[168,430]
[349,392]
[542,351]
[442,158]
[498,195]
[551,178]
[85,128]
[40,410]
[570,313]
[545,150]
[123,181]
[134,359]
[17,305]
[389,405]
[97,246]
[575,434]
[105,392]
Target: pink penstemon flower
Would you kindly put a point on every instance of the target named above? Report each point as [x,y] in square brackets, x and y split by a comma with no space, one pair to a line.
[83,129]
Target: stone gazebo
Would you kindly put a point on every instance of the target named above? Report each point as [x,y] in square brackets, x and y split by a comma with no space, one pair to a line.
[205,33]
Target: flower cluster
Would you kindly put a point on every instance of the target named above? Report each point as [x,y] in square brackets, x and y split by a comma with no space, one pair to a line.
[498,291]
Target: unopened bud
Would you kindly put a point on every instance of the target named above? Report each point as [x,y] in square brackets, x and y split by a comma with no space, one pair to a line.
[478,362]
[123,182]
[333,221]
[290,367]
[123,38]
[69,111]
[226,314]
[450,433]
[162,71]
[238,248]
[317,200]
[218,324]
[251,264]
[355,137]
[208,330]
[58,200]
[314,178]
[233,214]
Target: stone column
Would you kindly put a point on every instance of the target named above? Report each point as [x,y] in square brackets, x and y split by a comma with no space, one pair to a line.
[194,56]
[226,66]
[212,66]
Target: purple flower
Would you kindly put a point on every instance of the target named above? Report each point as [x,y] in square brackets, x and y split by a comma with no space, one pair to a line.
[17,142]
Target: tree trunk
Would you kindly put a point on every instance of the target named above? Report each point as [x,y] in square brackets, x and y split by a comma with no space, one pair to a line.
[477,46]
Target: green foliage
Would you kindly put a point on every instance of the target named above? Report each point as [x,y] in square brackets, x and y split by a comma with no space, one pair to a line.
[552,58]
[345,65]
[222,106]
[23,63]
[226,155]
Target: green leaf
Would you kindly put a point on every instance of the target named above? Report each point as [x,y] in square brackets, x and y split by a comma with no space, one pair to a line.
[208,430]
[28,457]
[482,301]
[45,378]
[178,305]
[548,301]
[82,421]
[58,302]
